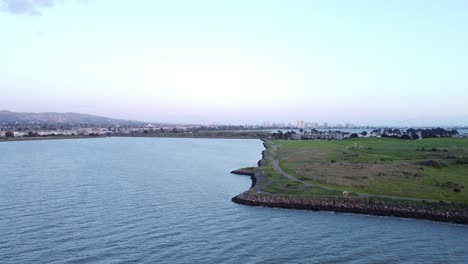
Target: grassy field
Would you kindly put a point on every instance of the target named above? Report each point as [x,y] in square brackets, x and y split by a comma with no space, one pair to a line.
[434,169]
[273,182]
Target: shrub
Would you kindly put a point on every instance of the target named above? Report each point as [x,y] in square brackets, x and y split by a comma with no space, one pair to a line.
[433,163]
[462,161]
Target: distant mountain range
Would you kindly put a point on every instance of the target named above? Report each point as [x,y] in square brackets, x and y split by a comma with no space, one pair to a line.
[65,118]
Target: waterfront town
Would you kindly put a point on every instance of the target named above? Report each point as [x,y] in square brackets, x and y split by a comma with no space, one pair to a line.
[35,125]
[300,131]
[410,133]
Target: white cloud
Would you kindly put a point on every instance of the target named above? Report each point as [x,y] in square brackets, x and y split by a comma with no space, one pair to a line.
[30,7]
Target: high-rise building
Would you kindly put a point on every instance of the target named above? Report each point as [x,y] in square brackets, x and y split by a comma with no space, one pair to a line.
[300,124]
[325,125]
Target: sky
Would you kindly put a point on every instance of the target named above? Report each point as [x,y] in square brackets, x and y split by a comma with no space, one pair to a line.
[238,62]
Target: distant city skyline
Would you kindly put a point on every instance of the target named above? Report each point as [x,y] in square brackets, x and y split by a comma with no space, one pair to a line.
[399,63]
[295,124]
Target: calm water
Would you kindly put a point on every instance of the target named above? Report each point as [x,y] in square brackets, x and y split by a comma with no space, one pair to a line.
[148,200]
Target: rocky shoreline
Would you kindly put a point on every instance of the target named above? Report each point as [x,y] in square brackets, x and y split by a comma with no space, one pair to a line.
[245,172]
[443,212]
[433,212]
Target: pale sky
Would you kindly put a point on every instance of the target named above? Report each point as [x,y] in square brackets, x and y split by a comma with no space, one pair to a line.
[243,61]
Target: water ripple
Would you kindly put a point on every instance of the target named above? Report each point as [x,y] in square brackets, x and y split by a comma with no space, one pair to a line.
[155,200]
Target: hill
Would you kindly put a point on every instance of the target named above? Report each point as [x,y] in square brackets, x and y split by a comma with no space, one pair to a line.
[62,118]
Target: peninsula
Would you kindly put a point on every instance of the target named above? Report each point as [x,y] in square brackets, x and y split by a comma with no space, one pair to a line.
[422,179]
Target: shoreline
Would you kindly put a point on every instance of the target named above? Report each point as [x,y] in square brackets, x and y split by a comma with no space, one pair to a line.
[17,139]
[425,210]
[436,211]
[346,205]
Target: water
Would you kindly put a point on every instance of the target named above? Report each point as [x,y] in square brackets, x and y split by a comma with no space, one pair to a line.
[148,200]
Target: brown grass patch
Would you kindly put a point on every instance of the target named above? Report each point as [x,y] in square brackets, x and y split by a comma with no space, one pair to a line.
[356,174]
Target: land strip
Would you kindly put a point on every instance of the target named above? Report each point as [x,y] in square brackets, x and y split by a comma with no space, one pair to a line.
[280,180]
[208,134]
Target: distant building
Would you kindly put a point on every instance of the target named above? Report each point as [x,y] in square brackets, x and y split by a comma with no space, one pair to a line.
[336,135]
[296,136]
[419,133]
[376,133]
[300,124]
[323,136]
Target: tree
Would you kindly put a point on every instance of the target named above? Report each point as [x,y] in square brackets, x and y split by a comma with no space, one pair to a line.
[277,135]
[32,134]
[405,136]
[9,134]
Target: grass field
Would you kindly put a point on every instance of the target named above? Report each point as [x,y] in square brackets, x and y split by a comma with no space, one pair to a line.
[273,182]
[434,169]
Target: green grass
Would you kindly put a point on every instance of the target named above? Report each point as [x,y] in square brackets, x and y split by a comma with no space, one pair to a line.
[275,183]
[381,166]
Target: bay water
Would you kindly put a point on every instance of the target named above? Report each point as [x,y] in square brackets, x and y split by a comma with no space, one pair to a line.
[159,200]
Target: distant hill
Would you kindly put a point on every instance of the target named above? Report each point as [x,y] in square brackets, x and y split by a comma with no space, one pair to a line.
[64,118]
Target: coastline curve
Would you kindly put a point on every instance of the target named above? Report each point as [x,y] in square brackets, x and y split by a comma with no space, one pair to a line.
[427,210]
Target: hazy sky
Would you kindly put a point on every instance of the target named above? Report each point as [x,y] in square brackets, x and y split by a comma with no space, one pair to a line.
[239,61]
